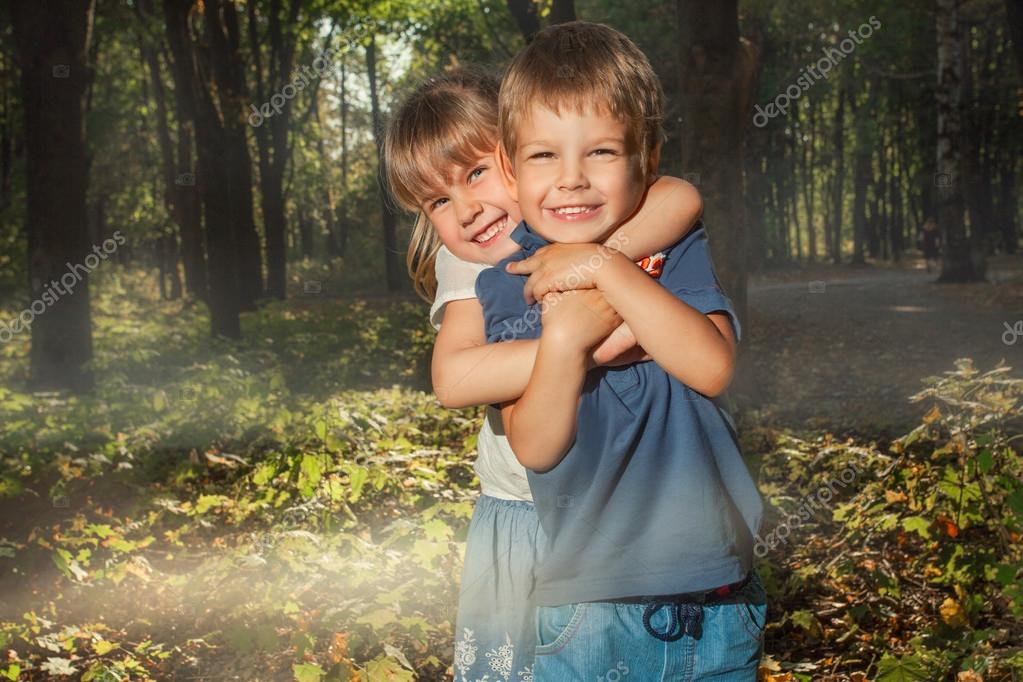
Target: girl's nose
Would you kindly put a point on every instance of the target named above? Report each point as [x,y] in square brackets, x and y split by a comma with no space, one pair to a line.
[468,211]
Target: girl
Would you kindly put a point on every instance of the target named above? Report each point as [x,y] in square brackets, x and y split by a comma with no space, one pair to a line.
[439,154]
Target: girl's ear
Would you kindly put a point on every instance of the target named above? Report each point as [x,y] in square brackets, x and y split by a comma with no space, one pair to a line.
[507,172]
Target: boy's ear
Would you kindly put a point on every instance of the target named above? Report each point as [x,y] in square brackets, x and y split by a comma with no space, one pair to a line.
[507,171]
[653,161]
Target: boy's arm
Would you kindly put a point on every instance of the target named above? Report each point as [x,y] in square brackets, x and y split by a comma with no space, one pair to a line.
[672,331]
[669,209]
[541,425]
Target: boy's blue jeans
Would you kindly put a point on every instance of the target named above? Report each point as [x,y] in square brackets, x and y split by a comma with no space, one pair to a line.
[609,642]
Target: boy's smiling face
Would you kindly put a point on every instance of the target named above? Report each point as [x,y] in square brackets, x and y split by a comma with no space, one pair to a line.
[574,174]
[474,213]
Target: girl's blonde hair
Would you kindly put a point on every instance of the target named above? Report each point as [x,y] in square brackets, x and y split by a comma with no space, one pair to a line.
[447,121]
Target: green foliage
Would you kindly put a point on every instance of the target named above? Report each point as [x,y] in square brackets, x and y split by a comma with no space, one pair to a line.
[921,553]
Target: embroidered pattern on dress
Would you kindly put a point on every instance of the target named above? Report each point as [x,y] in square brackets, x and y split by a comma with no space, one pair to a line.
[501,660]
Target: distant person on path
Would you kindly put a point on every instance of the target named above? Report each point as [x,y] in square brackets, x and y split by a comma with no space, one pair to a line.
[929,241]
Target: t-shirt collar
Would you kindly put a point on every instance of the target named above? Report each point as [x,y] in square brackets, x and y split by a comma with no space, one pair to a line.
[524,236]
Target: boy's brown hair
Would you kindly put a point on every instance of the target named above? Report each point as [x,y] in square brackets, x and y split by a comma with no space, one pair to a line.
[579,64]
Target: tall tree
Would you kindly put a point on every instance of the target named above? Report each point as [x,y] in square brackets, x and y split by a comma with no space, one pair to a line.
[197,105]
[1014,14]
[52,40]
[272,135]
[178,174]
[395,278]
[717,70]
[961,262]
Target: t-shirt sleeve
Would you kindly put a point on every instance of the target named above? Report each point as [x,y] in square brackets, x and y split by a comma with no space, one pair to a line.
[506,315]
[689,274]
[456,280]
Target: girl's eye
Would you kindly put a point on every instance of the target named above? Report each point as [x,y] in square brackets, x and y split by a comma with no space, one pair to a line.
[604,152]
[541,155]
[437,203]
[476,172]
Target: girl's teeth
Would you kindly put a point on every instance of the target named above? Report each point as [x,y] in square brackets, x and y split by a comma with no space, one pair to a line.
[573,209]
[489,233]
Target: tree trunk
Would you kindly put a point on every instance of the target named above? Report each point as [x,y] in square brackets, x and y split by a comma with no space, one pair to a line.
[717,69]
[562,11]
[1014,14]
[839,182]
[342,218]
[977,178]
[961,262]
[526,16]
[866,139]
[808,184]
[213,180]
[272,135]
[388,215]
[224,61]
[52,39]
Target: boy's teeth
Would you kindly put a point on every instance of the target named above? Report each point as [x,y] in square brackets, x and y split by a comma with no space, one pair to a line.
[573,209]
[491,231]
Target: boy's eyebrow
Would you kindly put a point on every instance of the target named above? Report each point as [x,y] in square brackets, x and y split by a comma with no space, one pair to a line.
[547,143]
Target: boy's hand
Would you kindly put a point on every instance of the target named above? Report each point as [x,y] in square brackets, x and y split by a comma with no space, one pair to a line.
[619,348]
[561,267]
[579,319]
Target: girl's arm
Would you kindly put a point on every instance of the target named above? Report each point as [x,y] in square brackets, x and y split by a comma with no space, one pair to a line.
[669,210]
[467,370]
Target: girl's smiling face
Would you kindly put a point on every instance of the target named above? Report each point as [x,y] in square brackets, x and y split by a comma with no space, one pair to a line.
[474,213]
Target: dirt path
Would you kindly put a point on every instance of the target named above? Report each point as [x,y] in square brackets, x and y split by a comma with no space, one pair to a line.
[844,347]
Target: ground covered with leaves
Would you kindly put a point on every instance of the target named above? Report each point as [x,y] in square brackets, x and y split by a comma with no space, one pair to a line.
[294,507]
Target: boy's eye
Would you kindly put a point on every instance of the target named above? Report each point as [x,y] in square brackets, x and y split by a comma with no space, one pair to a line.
[476,172]
[604,152]
[541,155]
[437,203]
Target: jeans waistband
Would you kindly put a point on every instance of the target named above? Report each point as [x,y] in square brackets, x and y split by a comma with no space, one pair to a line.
[709,597]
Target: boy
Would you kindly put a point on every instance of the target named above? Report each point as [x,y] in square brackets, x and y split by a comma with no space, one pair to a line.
[647,506]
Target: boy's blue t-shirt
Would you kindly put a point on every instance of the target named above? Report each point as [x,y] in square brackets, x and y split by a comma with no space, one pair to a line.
[653,496]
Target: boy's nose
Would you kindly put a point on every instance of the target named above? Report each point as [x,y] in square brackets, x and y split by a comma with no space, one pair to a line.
[572,178]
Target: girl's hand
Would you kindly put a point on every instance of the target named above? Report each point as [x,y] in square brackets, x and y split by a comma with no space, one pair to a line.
[619,348]
[561,267]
